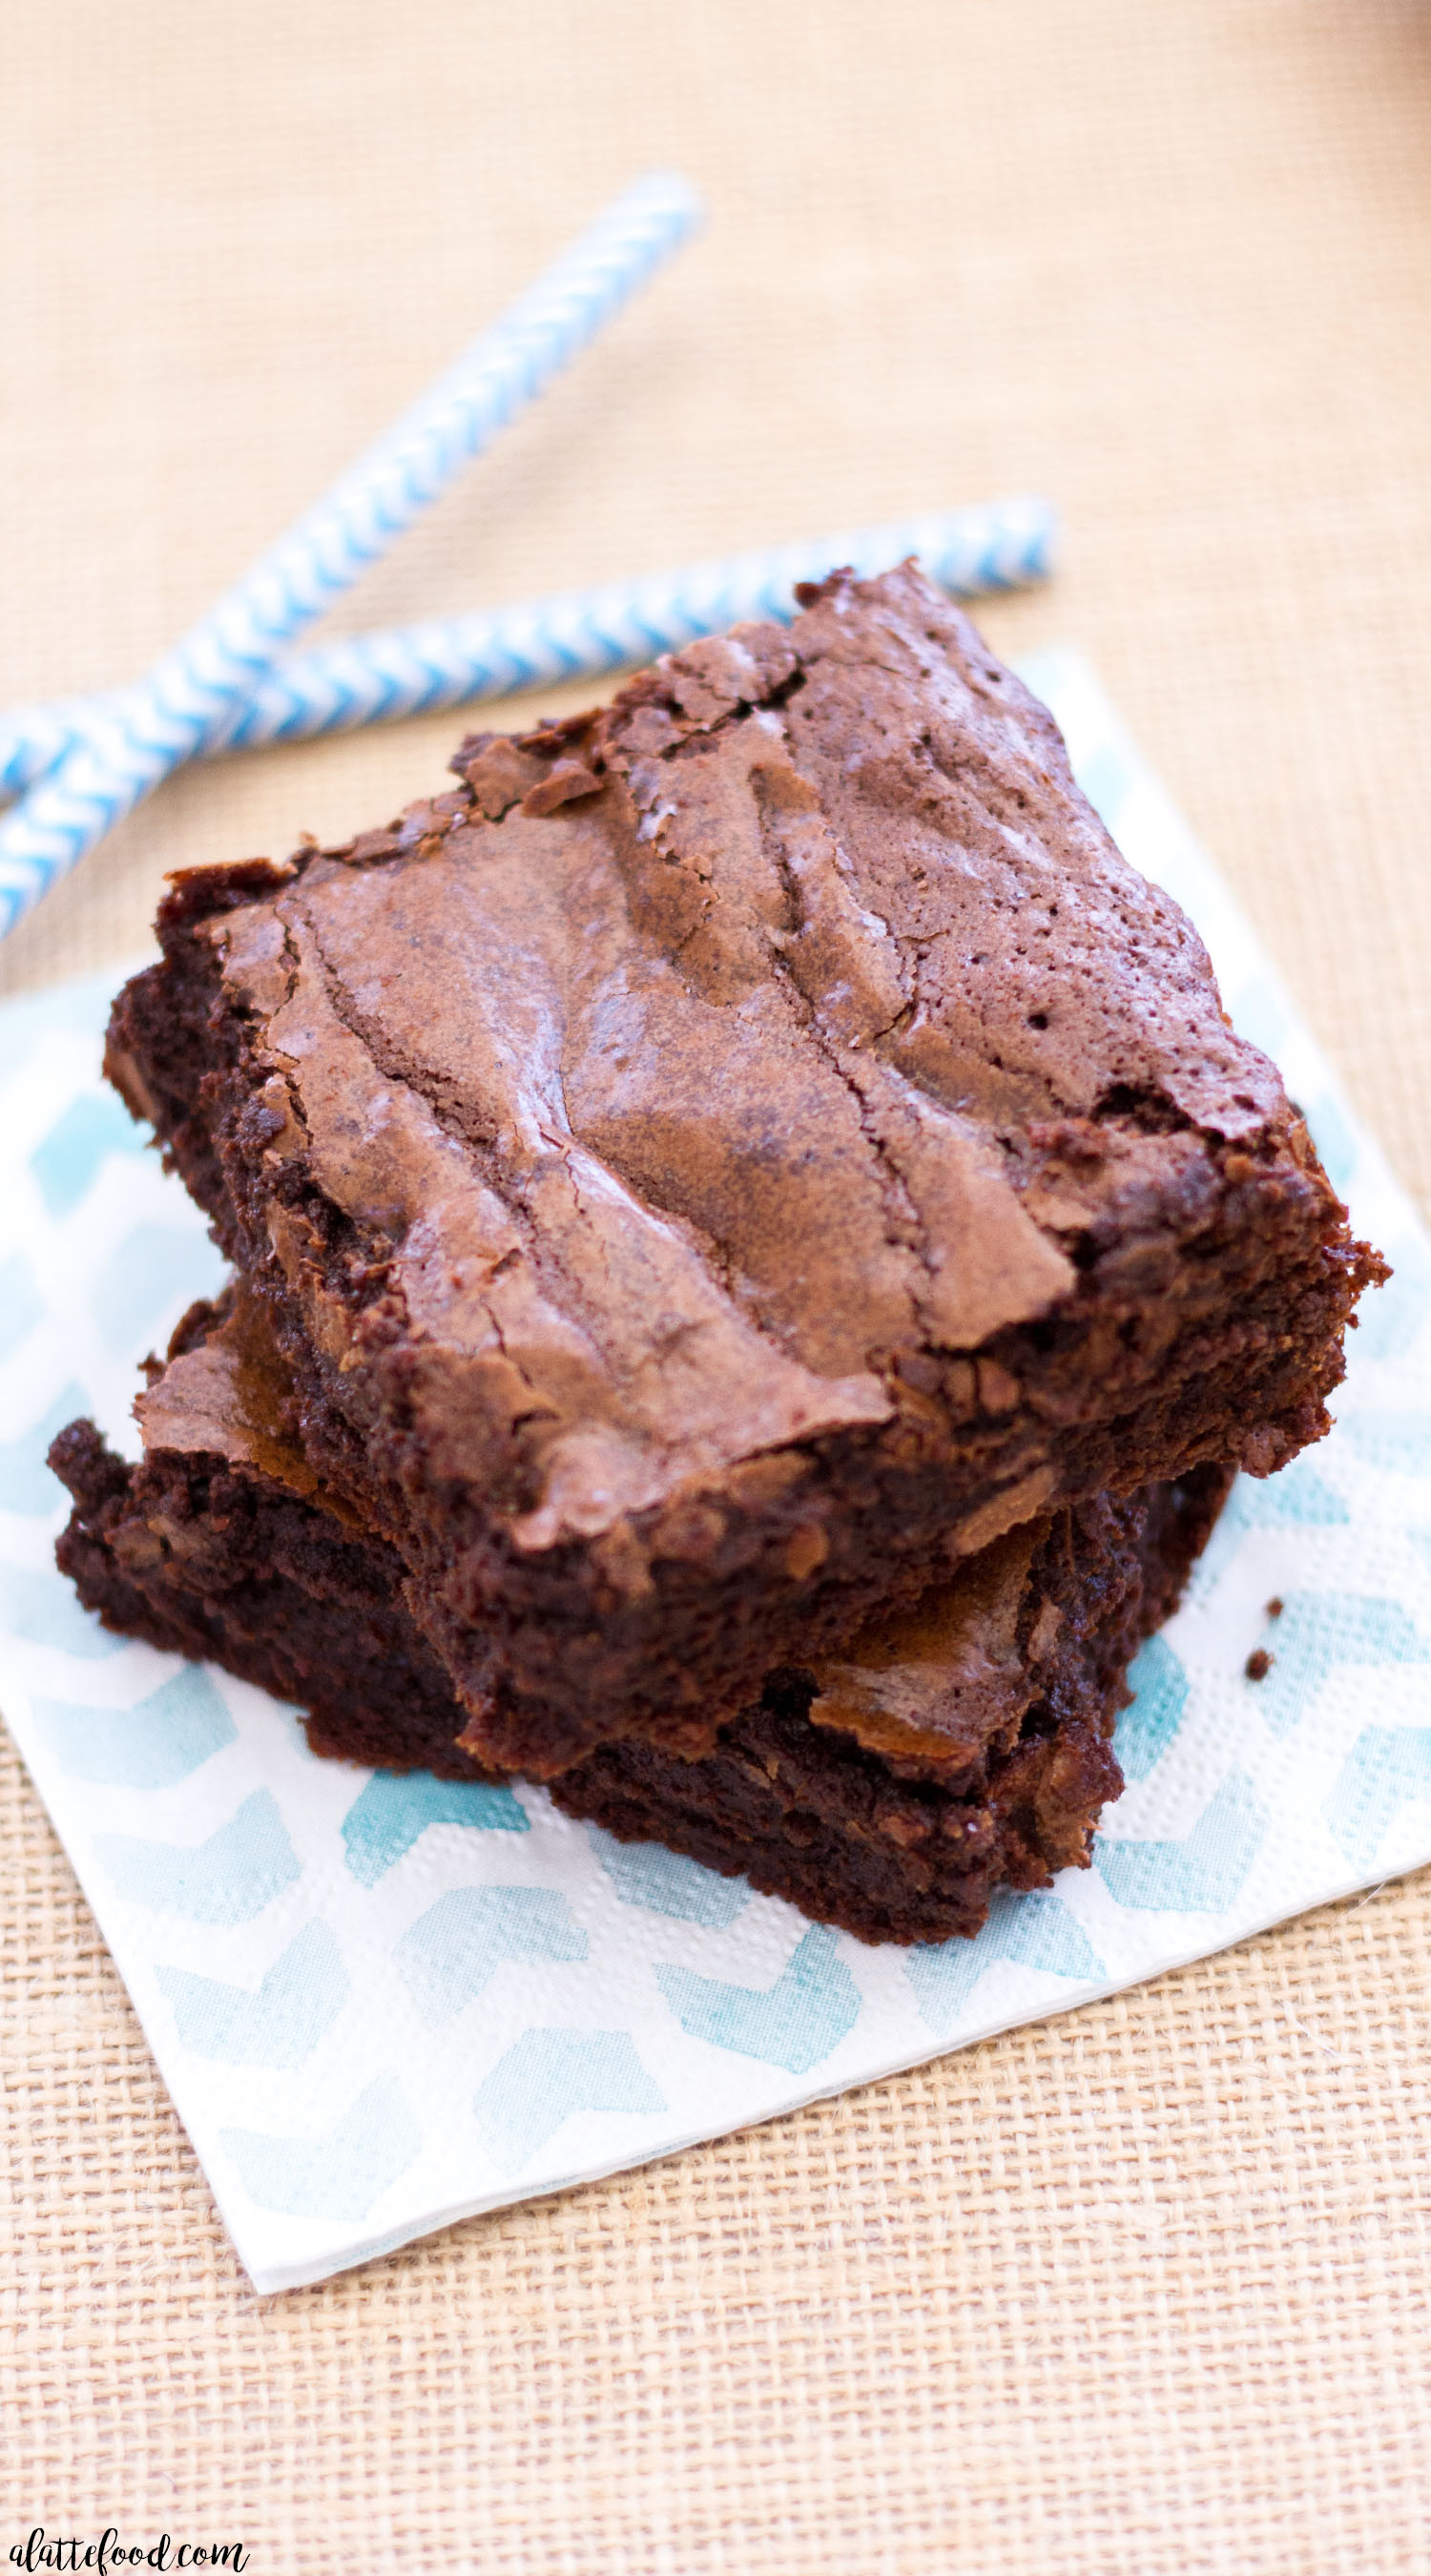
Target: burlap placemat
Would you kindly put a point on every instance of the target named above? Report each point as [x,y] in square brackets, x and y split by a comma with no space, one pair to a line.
[1141,2288]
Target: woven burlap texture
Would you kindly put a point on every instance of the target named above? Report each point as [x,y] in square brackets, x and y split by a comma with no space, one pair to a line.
[1144,2288]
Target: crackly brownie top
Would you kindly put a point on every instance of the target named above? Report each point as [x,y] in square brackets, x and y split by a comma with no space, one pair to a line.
[701,1072]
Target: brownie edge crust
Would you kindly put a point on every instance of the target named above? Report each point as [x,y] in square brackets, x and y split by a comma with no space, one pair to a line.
[735,1154]
[890,1790]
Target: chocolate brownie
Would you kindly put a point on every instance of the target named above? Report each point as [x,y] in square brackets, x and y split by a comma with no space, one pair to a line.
[736,1154]
[951,1748]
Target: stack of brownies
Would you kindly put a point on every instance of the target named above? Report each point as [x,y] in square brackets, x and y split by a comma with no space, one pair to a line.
[756,1255]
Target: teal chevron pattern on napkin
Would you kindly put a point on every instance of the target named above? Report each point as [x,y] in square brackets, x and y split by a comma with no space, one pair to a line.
[67,1161]
[1199,1872]
[157,1270]
[1034,1931]
[547,2076]
[1318,1633]
[793,2023]
[228,1878]
[446,1958]
[44,1610]
[1387,1769]
[395,1809]
[1160,1695]
[294,2004]
[667,1882]
[150,1746]
[341,2172]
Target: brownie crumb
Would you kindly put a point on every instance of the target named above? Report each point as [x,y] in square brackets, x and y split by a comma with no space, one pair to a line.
[1258,1665]
[1275,1606]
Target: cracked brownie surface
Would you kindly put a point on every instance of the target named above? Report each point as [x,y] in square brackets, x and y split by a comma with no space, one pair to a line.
[737,1153]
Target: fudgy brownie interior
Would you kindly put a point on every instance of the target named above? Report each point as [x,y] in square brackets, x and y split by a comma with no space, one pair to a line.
[955,1747]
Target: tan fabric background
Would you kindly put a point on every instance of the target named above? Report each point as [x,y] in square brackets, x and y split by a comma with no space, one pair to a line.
[1144,2289]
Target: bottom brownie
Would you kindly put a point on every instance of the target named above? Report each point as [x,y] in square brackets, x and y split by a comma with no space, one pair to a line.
[961,1746]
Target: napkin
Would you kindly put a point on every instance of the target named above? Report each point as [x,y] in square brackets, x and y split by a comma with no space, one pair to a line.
[384,2003]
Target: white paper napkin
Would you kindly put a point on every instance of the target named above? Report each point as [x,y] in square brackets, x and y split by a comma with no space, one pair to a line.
[381,2004]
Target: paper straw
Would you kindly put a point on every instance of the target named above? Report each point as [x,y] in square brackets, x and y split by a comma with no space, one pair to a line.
[445,662]
[217,665]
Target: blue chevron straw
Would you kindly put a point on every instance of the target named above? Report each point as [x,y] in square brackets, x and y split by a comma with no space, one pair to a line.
[412,670]
[216,666]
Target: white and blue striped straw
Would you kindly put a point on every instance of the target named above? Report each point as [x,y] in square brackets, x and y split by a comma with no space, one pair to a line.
[214,670]
[446,662]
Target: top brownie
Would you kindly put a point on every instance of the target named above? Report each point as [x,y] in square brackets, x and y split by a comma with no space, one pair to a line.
[740,1150]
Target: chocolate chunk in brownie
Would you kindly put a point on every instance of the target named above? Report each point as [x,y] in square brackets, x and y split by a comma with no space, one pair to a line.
[735,1155]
